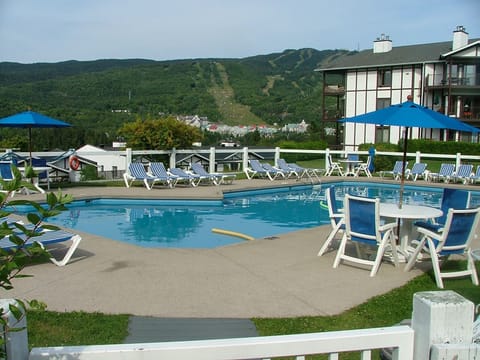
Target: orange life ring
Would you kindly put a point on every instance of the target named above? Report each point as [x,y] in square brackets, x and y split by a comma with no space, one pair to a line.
[74,163]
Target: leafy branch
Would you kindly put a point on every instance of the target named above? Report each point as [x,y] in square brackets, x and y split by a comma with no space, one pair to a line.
[14,260]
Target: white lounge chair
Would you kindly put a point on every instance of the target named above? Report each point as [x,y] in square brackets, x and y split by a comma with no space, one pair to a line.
[287,169]
[216,178]
[445,173]
[476,176]
[397,170]
[463,173]
[48,237]
[257,169]
[187,178]
[136,171]
[276,172]
[6,175]
[418,170]
[158,170]
[299,171]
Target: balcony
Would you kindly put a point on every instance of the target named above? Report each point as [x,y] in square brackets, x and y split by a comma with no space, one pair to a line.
[334,90]
[441,81]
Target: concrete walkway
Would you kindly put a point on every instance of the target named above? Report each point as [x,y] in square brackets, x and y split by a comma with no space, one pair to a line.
[282,277]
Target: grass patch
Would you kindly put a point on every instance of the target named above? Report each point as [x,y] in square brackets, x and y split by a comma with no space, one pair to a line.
[50,328]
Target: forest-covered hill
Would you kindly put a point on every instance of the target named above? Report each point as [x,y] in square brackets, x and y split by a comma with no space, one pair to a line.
[276,88]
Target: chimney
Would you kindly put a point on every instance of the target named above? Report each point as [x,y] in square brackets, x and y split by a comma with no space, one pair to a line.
[383,44]
[460,38]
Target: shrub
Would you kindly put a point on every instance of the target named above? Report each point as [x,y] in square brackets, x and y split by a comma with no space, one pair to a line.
[89,172]
[310,145]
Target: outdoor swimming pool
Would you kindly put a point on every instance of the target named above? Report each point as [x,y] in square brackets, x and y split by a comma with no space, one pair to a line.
[260,214]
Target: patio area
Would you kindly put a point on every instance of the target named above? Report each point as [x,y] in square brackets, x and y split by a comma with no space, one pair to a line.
[282,277]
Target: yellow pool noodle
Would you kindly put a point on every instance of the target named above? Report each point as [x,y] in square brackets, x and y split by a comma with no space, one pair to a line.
[232,233]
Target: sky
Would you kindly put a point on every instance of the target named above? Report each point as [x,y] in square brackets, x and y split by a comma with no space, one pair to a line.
[34,31]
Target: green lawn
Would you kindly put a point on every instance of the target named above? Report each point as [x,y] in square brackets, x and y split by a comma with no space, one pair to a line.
[47,328]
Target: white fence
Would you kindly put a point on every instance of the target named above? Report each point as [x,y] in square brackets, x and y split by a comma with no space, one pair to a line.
[442,328]
[237,156]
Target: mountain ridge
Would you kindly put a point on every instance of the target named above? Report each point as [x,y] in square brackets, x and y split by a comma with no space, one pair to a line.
[277,88]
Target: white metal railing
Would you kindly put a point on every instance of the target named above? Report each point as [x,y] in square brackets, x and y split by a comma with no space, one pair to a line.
[399,337]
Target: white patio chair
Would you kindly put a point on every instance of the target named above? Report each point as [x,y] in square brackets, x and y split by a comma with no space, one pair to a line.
[364,228]
[333,166]
[454,239]
[365,167]
[337,219]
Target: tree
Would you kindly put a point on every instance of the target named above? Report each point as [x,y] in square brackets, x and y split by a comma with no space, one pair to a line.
[159,134]
[13,261]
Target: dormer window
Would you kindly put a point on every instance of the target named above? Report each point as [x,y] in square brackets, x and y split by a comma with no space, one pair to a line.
[384,78]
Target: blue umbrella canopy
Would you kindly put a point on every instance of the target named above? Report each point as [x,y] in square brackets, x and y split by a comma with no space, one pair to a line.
[409,114]
[29,120]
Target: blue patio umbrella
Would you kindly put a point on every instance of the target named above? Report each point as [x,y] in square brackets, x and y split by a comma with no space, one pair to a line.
[409,114]
[29,120]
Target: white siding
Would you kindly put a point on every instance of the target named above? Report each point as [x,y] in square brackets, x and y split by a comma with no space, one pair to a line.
[362,80]
[362,93]
[351,81]
[372,80]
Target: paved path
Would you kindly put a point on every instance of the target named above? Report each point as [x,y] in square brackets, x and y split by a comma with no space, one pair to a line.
[266,278]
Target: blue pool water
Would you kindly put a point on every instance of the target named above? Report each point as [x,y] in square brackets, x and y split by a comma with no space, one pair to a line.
[260,214]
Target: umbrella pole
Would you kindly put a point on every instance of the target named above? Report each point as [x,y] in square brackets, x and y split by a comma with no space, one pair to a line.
[402,180]
[30,143]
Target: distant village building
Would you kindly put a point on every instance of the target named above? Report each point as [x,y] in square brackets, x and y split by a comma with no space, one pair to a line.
[194,120]
[240,130]
[300,128]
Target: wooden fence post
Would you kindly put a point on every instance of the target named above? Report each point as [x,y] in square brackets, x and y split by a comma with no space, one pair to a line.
[440,317]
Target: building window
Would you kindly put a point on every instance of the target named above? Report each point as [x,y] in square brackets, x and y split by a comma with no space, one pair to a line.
[384,78]
[383,103]
[382,134]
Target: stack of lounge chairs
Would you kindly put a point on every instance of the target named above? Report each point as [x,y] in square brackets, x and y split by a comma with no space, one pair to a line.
[157,173]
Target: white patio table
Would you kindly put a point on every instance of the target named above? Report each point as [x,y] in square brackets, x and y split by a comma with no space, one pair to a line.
[408,214]
[350,166]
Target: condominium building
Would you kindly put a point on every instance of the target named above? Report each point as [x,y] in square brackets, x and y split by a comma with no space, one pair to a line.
[443,76]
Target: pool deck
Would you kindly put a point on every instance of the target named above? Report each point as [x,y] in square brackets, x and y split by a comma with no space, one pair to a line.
[282,277]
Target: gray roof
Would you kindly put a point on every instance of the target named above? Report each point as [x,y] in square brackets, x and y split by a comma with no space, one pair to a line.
[400,55]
